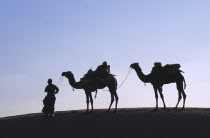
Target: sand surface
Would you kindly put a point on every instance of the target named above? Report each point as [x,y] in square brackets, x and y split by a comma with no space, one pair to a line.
[126,123]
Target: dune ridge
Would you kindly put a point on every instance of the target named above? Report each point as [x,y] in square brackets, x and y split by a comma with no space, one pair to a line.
[126,122]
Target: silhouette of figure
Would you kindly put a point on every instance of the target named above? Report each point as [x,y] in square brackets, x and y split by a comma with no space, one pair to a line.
[108,69]
[102,70]
[163,75]
[49,100]
[93,80]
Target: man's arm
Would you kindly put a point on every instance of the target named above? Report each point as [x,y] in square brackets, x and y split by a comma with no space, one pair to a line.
[56,89]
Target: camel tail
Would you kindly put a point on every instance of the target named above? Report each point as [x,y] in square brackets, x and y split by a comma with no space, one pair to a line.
[116,85]
[96,94]
[184,84]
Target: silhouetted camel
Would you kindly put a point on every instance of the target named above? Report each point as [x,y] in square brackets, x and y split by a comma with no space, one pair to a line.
[91,85]
[157,83]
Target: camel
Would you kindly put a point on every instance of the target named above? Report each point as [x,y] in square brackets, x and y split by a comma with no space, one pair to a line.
[91,85]
[158,82]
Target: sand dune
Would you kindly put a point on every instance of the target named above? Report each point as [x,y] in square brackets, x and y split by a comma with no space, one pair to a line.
[126,123]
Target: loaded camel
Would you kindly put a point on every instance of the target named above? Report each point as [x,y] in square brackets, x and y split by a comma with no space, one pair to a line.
[90,85]
[158,81]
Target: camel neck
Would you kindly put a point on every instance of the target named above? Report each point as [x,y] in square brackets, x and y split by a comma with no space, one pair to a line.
[142,76]
[74,84]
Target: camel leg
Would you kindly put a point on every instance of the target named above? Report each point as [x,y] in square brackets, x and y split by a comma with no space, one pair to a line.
[87,101]
[160,90]
[112,100]
[91,101]
[179,98]
[184,97]
[116,98]
[156,96]
[180,89]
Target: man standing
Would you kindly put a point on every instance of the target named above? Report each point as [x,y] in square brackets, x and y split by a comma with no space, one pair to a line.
[49,100]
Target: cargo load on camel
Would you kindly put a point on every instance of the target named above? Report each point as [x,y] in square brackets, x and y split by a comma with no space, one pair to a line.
[172,68]
[169,69]
[101,72]
[99,76]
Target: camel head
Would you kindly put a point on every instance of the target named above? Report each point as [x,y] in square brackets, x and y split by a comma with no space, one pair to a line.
[67,74]
[135,66]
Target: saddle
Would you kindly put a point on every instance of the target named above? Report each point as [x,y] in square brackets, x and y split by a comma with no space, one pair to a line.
[95,75]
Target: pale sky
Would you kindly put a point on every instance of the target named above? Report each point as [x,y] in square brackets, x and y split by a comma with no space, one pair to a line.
[39,39]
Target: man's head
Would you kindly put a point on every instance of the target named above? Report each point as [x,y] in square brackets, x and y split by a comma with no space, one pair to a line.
[49,81]
[105,63]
